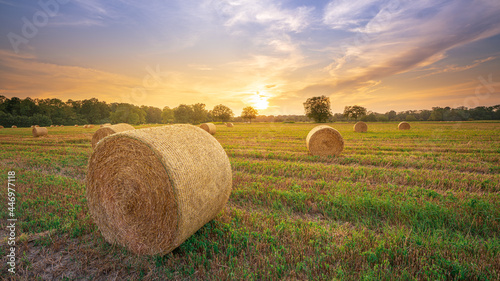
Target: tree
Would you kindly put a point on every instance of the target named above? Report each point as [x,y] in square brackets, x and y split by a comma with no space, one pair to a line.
[318,108]
[183,114]
[249,113]
[199,114]
[153,114]
[222,113]
[128,113]
[354,111]
[167,115]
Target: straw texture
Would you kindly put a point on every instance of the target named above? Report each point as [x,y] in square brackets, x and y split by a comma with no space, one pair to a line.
[360,127]
[404,126]
[151,189]
[229,125]
[14,126]
[105,125]
[1,127]
[109,130]
[209,127]
[324,140]
[39,131]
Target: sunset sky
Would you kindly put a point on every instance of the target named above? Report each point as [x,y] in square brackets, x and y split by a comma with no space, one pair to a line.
[272,55]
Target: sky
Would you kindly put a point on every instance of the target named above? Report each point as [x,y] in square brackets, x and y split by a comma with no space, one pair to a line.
[272,55]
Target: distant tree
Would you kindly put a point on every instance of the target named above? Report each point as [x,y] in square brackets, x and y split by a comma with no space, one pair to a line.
[153,114]
[222,113]
[183,114]
[391,115]
[318,108]
[199,114]
[167,115]
[369,118]
[410,118]
[354,111]
[249,113]
[128,113]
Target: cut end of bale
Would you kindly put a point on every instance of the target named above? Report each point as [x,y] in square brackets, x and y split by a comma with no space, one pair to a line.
[324,140]
[151,189]
[230,125]
[360,127]
[404,126]
[109,130]
[209,127]
[39,131]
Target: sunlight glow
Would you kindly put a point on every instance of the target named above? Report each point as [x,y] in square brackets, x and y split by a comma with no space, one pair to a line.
[260,100]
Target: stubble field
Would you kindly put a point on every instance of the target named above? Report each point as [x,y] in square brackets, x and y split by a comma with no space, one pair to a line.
[418,204]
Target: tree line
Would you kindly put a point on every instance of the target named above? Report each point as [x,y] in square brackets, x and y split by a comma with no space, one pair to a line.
[46,112]
[319,109]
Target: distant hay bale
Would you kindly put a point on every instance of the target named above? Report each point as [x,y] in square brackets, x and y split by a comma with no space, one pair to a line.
[230,125]
[39,131]
[37,126]
[90,126]
[209,127]
[404,126]
[1,127]
[14,126]
[360,127]
[151,189]
[85,126]
[32,126]
[324,140]
[52,126]
[105,125]
[109,130]
[76,125]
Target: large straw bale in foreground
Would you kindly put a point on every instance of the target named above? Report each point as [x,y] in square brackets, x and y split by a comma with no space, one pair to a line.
[109,130]
[209,127]
[360,127]
[39,131]
[404,126]
[151,189]
[324,140]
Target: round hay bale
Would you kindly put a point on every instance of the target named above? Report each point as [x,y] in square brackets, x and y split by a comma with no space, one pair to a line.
[324,140]
[360,127]
[404,126]
[52,126]
[151,189]
[90,126]
[37,126]
[39,131]
[105,125]
[85,126]
[209,127]
[1,127]
[230,125]
[14,126]
[109,130]
[32,126]
[76,125]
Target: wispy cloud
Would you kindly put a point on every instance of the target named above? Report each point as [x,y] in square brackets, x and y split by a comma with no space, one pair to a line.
[455,68]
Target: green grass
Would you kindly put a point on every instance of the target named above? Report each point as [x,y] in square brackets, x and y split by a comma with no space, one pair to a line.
[422,204]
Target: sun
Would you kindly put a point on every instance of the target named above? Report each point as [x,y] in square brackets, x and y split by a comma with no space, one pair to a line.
[260,100]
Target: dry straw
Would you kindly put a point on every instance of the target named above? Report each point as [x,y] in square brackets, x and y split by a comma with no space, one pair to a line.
[85,126]
[209,127]
[105,125]
[14,126]
[52,126]
[404,126]
[151,189]
[1,127]
[360,127]
[109,130]
[229,125]
[39,131]
[37,126]
[324,140]
[76,125]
